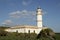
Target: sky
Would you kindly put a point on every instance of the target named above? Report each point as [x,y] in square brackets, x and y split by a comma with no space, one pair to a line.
[23,12]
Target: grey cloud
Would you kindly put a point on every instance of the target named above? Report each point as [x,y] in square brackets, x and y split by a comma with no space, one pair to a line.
[7,22]
[23,13]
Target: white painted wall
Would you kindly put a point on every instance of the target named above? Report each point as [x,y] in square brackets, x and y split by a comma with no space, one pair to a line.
[39,18]
[26,30]
[39,24]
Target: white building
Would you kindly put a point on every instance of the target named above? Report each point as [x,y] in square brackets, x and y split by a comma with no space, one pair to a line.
[27,28]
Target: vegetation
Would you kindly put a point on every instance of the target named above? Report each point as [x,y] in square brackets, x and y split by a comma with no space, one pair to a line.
[47,33]
[57,36]
[43,35]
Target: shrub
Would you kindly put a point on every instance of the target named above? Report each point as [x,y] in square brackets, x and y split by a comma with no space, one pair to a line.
[3,33]
[47,33]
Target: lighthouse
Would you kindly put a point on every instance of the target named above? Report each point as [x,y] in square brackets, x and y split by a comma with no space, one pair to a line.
[28,28]
[39,17]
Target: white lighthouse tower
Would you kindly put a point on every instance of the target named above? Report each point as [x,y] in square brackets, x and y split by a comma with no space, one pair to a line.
[39,17]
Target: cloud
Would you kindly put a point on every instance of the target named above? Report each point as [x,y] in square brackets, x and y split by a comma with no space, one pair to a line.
[7,22]
[23,13]
[44,12]
[26,2]
[15,14]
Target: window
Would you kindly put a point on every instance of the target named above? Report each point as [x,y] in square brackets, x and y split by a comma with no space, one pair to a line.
[34,31]
[28,31]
